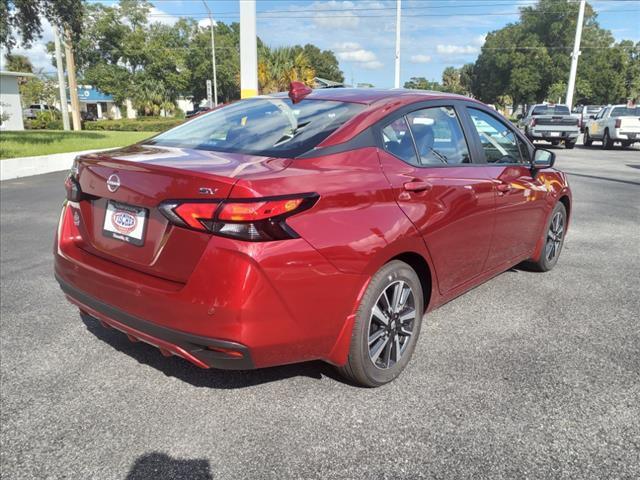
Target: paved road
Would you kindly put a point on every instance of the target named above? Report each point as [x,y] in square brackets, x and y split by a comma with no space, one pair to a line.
[527,376]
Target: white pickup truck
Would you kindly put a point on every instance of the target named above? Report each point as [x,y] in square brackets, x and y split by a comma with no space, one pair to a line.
[552,123]
[614,123]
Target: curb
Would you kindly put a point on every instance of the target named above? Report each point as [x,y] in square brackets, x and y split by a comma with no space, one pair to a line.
[11,168]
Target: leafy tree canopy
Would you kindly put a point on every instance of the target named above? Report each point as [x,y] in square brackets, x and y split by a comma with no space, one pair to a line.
[24,19]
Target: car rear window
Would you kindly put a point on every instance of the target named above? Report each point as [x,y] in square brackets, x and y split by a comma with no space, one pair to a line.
[273,127]
[551,110]
[625,112]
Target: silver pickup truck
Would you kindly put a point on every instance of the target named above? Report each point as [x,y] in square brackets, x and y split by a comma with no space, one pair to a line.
[552,123]
[614,123]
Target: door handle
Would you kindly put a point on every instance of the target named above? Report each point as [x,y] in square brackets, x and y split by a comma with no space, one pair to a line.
[417,186]
[503,187]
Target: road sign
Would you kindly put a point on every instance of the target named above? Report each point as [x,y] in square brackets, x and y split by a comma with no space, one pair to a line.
[209,94]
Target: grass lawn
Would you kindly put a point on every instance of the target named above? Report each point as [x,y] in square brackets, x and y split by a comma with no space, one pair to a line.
[42,142]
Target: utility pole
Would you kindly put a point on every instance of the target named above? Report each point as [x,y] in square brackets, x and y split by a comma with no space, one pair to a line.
[248,49]
[61,83]
[213,57]
[396,84]
[575,55]
[73,84]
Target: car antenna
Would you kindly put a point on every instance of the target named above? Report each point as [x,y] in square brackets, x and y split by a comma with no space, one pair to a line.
[297,91]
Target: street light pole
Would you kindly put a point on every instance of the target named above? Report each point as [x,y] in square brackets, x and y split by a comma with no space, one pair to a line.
[574,56]
[213,57]
[398,12]
[61,83]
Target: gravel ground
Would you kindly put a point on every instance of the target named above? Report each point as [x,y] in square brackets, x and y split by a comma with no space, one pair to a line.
[527,376]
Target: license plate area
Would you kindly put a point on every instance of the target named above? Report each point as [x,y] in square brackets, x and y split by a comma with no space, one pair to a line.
[125,223]
[554,134]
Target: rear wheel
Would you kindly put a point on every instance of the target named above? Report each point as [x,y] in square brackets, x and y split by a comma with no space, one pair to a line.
[626,144]
[554,239]
[386,327]
[607,144]
[569,144]
[587,138]
[555,142]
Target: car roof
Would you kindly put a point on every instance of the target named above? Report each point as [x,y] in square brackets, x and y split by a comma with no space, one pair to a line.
[369,96]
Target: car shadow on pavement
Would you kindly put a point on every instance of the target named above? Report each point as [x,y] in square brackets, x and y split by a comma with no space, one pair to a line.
[207,378]
[161,466]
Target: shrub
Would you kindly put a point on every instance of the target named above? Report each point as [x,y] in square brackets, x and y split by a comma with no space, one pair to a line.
[142,124]
[44,121]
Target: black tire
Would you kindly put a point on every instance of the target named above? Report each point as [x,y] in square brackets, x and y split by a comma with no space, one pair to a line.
[607,144]
[626,144]
[555,142]
[587,140]
[361,368]
[569,144]
[547,262]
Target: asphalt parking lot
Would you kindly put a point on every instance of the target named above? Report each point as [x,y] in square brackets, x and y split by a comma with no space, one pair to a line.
[528,376]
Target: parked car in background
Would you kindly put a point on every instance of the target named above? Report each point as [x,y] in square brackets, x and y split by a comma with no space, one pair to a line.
[319,225]
[551,123]
[614,123]
[584,113]
[32,111]
[196,111]
[88,116]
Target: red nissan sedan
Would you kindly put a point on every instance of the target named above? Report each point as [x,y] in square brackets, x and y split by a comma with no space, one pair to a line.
[310,225]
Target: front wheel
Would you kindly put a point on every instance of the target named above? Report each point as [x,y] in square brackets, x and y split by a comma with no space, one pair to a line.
[607,144]
[553,242]
[386,327]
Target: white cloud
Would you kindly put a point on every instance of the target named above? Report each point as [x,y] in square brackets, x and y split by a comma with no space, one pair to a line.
[360,56]
[346,19]
[353,52]
[205,23]
[420,58]
[457,49]
[160,16]
[37,52]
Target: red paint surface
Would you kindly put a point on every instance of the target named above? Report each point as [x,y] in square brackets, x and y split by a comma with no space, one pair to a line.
[294,300]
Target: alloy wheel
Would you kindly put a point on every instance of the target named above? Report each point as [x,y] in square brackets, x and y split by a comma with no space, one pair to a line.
[391,324]
[555,236]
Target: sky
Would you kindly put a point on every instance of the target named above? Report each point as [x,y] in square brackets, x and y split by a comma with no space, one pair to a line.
[434,33]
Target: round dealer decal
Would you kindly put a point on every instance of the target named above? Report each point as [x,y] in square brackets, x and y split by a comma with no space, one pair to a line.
[124,222]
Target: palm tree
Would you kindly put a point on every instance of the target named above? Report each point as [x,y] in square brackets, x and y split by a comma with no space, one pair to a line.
[280,66]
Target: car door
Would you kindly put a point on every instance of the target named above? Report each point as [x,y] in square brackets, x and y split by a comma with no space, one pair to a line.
[448,197]
[597,126]
[520,197]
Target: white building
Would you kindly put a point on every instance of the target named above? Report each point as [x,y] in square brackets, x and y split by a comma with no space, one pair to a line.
[10,105]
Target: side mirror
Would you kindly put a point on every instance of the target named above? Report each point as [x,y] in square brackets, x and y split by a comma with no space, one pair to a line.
[543,159]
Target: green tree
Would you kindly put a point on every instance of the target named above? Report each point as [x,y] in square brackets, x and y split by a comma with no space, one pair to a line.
[323,62]
[25,19]
[278,67]
[421,83]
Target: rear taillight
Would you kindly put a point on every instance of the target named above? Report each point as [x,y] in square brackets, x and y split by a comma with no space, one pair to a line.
[255,220]
[618,122]
[72,186]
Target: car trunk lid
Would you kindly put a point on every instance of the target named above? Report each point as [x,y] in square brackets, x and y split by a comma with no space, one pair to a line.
[128,184]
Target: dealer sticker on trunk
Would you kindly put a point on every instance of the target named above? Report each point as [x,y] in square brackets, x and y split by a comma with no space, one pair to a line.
[125,223]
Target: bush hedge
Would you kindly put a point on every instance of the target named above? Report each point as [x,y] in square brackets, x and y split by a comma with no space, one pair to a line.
[142,124]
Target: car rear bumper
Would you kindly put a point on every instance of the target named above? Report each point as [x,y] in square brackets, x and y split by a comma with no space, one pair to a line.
[550,134]
[265,304]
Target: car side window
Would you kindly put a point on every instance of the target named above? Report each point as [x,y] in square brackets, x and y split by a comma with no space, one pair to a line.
[499,142]
[397,140]
[438,136]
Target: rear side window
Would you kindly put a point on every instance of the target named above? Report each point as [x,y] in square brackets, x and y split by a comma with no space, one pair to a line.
[438,136]
[625,112]
[499,142]
[397,140]
[273,127]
